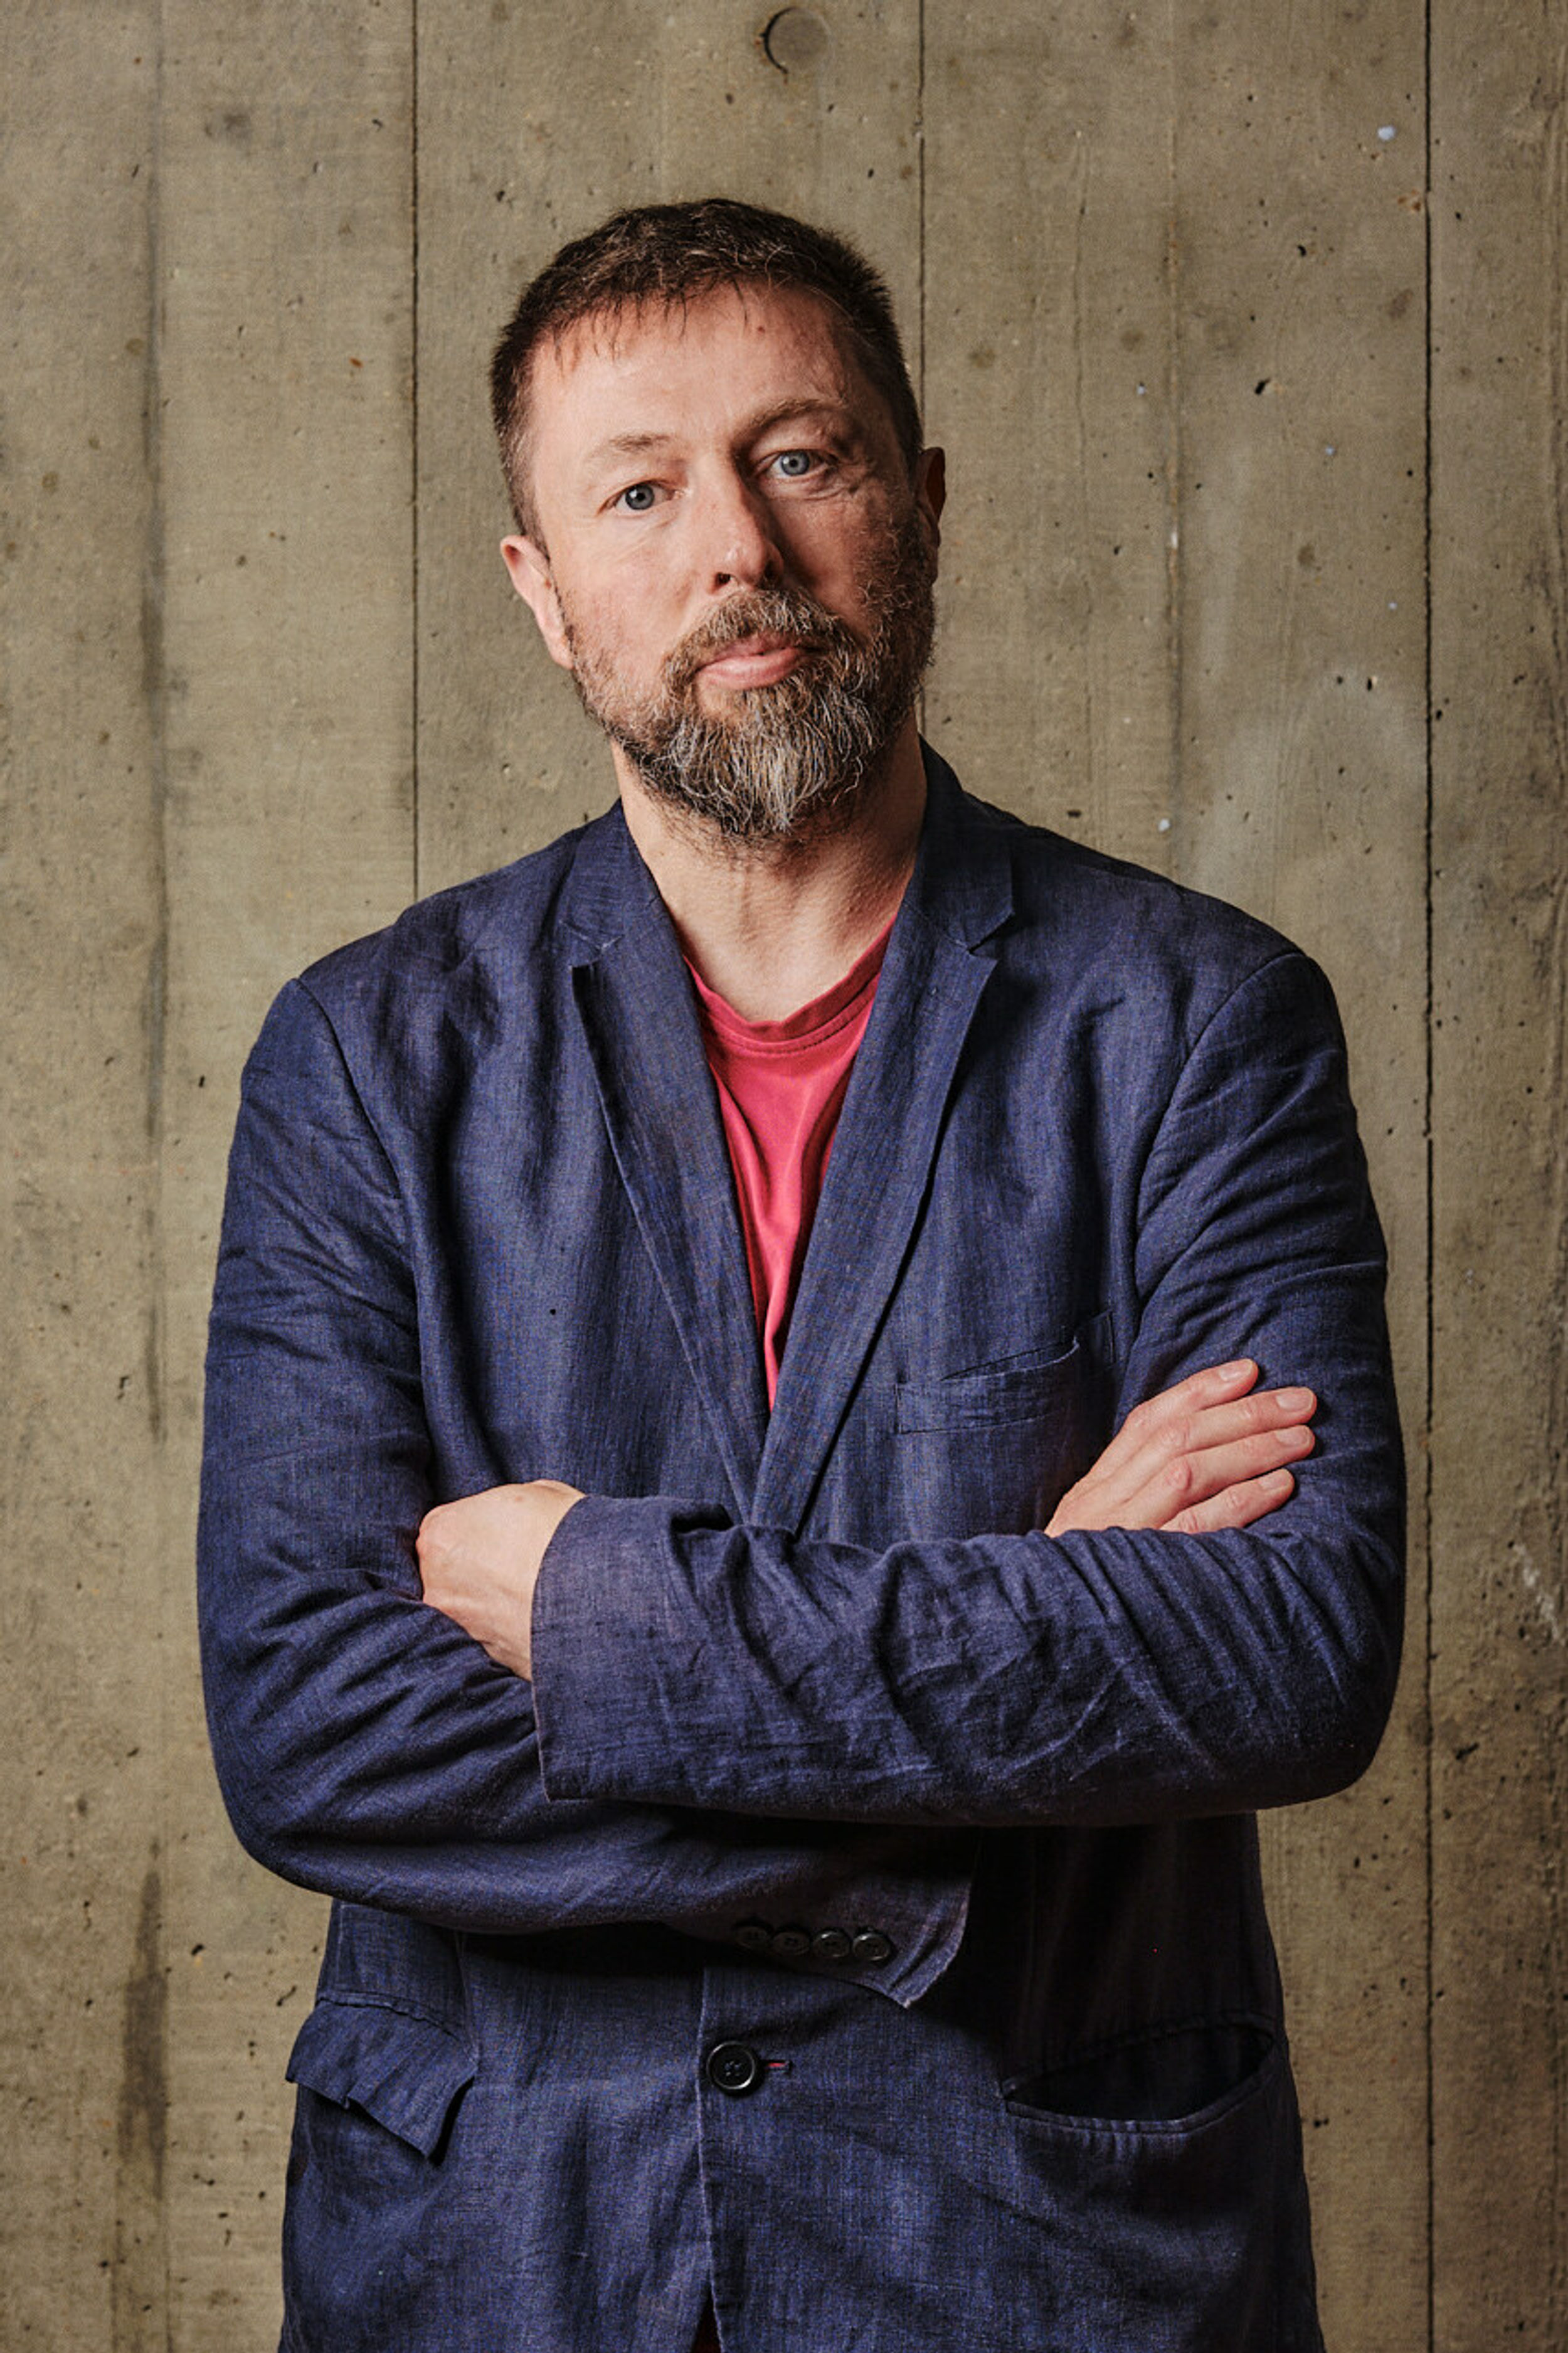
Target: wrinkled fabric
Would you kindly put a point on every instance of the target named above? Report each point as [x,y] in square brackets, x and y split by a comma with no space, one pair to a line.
[804,1681]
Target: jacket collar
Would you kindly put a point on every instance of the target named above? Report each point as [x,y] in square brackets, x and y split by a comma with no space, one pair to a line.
[961,883]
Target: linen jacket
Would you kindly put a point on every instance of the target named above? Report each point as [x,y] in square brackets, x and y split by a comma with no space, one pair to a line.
[829,1755]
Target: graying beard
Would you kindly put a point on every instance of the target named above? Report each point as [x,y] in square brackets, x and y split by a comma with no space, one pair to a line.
[767,774]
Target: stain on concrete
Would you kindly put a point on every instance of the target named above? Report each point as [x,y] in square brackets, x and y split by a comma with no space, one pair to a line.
[1547,1606]
[139,2319]
[142,2123]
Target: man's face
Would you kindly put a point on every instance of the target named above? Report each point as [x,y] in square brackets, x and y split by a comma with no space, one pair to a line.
[730,558]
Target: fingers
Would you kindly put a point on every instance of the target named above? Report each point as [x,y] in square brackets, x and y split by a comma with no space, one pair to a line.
[1187,1419]
[1206,1470]
[1175,1486]
[1213,1385]
[1209,1437]
[1235,1507]
[1184,1450]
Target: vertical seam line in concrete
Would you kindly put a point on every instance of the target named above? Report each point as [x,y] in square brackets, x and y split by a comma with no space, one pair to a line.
[155,656]
[921,184]
[413,610]
[920,260]
[1429,1402]
[155,663]
[1174,550]
[1080,440]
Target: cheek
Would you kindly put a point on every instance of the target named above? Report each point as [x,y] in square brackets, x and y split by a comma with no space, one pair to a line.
[598,628]
[625,609]
[849,551]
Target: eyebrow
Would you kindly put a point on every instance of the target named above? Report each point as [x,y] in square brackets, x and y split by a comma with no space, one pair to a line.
[626,445]
[637,445]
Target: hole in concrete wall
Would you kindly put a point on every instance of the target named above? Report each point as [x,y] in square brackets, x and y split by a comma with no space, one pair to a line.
[795,40]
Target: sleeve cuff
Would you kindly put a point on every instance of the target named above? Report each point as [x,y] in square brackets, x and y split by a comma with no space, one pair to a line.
[603,1634]
[599,1615]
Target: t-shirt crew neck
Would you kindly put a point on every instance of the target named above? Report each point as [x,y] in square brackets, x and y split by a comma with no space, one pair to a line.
[780,1088]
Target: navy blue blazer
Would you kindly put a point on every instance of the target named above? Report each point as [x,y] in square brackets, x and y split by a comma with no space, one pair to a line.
[860,1910]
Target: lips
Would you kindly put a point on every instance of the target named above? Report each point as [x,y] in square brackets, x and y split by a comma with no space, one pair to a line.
[757,661]
[751,640]
[761,641]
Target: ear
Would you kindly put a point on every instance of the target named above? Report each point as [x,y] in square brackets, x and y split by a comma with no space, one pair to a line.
[528,569]
[931,491]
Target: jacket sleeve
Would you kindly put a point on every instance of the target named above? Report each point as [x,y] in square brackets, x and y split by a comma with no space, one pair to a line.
[365,1745]
[1099,1678]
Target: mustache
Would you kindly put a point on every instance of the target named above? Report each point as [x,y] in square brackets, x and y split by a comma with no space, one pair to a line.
[762,612]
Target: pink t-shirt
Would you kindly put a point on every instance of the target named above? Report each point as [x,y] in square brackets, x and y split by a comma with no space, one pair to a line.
[780,1088]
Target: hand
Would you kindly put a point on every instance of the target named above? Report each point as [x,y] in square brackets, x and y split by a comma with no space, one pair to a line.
[1201,1456]
[480,1559]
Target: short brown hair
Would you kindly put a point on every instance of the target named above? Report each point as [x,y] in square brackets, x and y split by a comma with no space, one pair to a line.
[670,254]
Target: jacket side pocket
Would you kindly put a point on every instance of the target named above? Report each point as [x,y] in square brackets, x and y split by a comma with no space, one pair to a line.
[404,2070]
[1173,2079]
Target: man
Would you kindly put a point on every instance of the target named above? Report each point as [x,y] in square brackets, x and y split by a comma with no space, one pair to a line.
[750,1536]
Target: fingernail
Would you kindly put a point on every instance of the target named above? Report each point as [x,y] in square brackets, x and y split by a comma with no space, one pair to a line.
[1238,1366]
[1294,1401]
[1277,1481]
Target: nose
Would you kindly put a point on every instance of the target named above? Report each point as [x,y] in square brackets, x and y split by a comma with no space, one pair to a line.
[740,543]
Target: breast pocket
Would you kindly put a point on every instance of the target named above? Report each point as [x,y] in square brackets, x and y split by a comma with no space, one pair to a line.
[991,1450]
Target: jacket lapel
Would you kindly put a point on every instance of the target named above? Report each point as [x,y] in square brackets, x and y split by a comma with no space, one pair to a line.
[936,967]
[634,996]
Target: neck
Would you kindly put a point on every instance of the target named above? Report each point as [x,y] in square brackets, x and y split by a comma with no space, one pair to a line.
[770,926]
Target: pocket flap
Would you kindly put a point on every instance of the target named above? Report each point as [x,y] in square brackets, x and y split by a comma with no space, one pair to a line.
[1012,1392]
[406,2071]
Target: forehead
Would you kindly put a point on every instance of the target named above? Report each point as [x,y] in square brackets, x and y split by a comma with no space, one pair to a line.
[695,367]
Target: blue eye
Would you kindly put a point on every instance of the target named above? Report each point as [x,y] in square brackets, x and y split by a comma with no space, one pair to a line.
[793,464]
[637,499]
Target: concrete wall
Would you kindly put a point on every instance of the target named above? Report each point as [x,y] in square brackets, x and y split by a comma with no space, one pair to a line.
[1245,329]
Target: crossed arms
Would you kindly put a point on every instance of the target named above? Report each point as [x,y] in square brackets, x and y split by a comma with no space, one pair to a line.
[719,1712]
[1203,1456]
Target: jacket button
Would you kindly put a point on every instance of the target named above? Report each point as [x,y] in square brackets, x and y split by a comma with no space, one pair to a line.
[754,1936]
[733,2067]
[871,1946]
[831,1944]
[790,1943]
